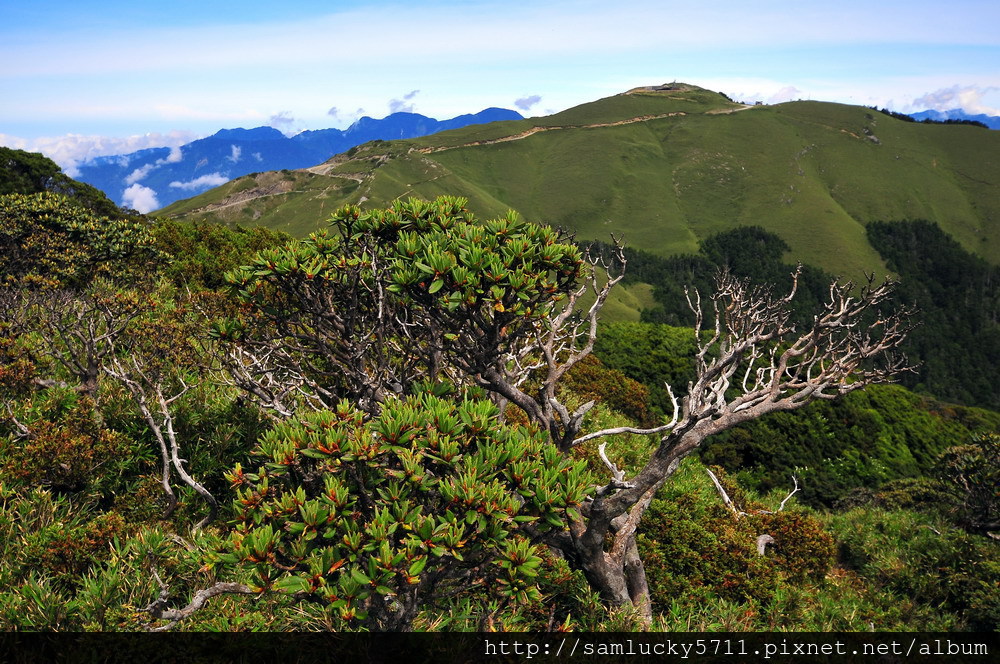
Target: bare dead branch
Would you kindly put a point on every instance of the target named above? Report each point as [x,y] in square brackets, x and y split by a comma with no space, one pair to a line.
[617,476]
[78,329]
[625,528]
[147,390]
[753,362]
[795,490]
[22,430]
[545,356]
[725,496]
[178,463]
[635,430]
[117,370]
[159,611]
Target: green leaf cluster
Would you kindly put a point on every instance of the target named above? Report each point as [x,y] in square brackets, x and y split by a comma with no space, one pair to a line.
[436,255]
[47,239]
[374,517]
[423,271]
[437,249]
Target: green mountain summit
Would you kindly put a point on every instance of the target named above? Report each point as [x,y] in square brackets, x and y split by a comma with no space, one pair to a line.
[666,166]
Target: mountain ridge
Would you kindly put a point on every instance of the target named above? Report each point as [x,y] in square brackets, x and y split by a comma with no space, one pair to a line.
[669,168]
[253,134]
[164,175]
[991,121]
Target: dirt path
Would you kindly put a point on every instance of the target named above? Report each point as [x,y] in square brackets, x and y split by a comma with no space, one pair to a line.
[326,167]
[537,130]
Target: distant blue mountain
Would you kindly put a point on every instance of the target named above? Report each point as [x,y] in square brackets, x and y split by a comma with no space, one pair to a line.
[258,134]
[159,176]
[991,121]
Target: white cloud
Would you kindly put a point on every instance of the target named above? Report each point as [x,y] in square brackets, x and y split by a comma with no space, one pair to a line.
[525,103]
[235,153]
[787,93]
[174,157]
[71,150]
[401,105]
[749,89]
[140,173]
[140,198]
[969,98]
[203,182]
[284,122]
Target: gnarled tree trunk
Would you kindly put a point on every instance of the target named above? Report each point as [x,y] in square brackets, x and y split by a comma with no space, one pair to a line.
[752,365]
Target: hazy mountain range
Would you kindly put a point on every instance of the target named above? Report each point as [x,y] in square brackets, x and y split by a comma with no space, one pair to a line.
[156,177]
[991,121]
[153,178]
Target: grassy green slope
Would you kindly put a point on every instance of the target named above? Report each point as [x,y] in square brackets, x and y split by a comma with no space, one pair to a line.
[295,202]
[668,169]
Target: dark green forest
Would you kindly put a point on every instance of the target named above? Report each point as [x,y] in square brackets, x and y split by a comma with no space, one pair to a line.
[415,419]
[955,346]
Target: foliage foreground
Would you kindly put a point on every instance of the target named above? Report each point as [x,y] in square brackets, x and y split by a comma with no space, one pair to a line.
[399,424]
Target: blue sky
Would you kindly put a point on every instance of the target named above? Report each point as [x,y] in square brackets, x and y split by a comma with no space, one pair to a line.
[83,77]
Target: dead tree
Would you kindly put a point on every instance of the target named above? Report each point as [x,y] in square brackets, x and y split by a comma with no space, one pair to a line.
[270,376]
[329,322]
[752,362]
[155,363]
[152,394]
[77,329]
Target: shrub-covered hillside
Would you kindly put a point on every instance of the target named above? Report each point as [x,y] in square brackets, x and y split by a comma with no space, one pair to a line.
[397,424]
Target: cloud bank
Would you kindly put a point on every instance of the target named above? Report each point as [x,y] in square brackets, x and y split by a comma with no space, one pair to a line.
[787,93]
[140,198]
[203,182]
[71,150]
[969,98]
[140,173]
[284,122]
[175,156]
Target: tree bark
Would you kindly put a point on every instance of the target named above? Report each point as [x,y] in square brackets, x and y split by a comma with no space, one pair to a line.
[618,574]
[638,586]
